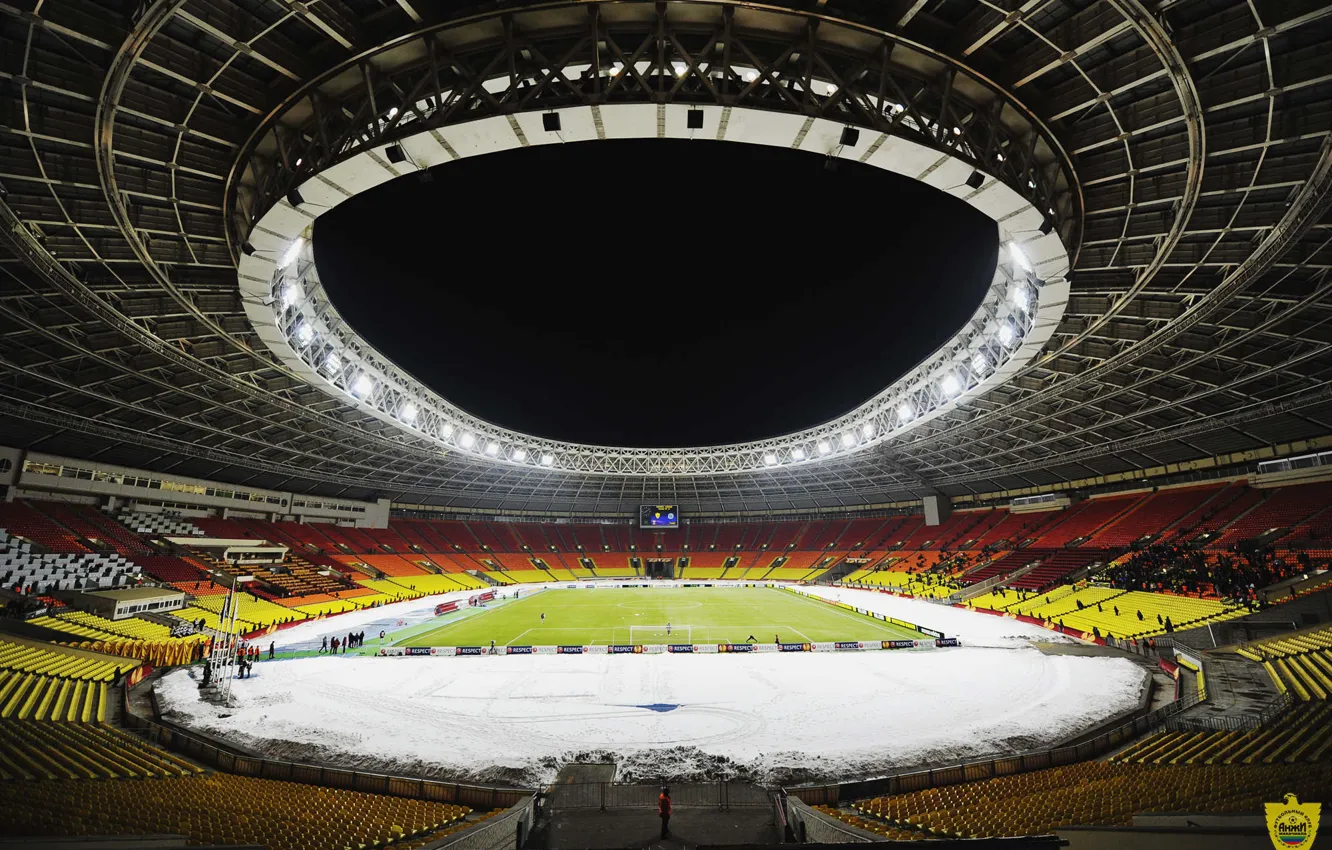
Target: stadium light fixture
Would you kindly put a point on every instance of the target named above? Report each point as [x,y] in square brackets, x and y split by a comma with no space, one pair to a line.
[446,430]
[293,251]
[751,75]
[1015,251]
[950,385]
[492,448]
[467,440]
[363,386]
[289,296]
[798,453]
[979,363]
[615,69]
[957,131]
[680,68]
[519,455]
[904,413]
[848,439]
[1021,297]
[548,460]
[1006,333]
[824,447]
[408,413]
[304,333]
[867,429]
[770,459]
[393,112]
[332,362]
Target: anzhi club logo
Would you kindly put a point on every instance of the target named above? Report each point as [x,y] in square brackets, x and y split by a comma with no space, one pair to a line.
[1292,825]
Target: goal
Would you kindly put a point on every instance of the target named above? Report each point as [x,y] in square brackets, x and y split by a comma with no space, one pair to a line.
[657,634]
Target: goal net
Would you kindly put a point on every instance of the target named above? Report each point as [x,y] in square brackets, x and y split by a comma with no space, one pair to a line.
[658,635]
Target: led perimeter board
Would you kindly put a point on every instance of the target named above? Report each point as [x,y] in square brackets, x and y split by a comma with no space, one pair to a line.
[658,516]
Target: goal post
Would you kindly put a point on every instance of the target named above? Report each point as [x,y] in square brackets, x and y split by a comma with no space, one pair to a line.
[657,634]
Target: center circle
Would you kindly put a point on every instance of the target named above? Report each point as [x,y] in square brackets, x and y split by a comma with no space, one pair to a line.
[656,292]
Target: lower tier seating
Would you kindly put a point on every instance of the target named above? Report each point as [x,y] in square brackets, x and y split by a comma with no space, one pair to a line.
[1097,793]
[32,750]
[224,809]
[32,696]
[1303,734]
[49,660]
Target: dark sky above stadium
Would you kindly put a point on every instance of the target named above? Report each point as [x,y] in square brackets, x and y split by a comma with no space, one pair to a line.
[655,292]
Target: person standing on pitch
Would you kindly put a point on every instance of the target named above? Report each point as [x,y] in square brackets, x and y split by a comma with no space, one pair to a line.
[664,810]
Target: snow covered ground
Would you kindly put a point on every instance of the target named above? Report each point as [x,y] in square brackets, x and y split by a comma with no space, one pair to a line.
[971,628]
[767,717]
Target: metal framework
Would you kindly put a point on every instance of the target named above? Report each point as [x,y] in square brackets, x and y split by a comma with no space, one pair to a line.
[1197,321]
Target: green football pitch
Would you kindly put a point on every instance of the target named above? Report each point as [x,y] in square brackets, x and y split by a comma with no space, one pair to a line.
[639,615]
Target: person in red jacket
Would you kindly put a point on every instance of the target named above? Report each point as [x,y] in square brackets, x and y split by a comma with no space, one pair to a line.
[664,810]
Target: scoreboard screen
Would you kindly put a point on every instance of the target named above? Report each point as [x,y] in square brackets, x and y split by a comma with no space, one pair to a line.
[658,516]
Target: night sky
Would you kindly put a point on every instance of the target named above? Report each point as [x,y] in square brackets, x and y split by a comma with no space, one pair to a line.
[655,292]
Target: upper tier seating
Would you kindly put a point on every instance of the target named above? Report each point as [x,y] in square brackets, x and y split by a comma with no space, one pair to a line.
[1083,519]
[95,527]
[1279,510]
[159,524]
[24,571]
[21,520]
[1154,515]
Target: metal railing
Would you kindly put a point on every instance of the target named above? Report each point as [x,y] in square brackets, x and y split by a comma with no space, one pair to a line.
[1232,723]
[608,795]
[503,832]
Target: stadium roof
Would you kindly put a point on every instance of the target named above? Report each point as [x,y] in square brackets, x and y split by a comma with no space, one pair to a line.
[1180,149]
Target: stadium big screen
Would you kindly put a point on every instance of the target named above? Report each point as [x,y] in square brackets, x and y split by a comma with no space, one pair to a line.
[658,516]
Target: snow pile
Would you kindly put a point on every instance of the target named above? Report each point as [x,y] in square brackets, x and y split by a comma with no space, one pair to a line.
[767,718]
[971,628]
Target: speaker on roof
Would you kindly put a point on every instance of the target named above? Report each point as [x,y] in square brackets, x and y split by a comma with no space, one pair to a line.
[976,180]
[395,154]
[1047,225]
[294,198]
[551,121]
[247,249]
[850,135]
[694,119]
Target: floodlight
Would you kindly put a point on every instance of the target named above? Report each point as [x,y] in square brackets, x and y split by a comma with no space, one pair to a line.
[824,447]
[615,69]
[999,156]
[905,412]
[1015,251]
[446,430]
[979,363]
[898,109]
[751,75]
[466,441]
[680,68]
[393,112]
[770,459]
[519,455]
[332,362]
[363,386]
[547,460]
[1031,184]
[951,386]
[293,251]
[848,439]
[304,333]
[867,429]
[408,413]
[492,448]
[1021,297]
[289,295]
[798,453]
[1006,334]
[299,161]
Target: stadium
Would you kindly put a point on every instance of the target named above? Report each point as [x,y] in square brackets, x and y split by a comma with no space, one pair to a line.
[689,423]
